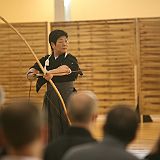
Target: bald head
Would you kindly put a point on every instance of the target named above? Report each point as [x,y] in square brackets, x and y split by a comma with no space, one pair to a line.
[82,106]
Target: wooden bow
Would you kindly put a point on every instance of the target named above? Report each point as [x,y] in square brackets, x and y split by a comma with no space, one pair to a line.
[40,65]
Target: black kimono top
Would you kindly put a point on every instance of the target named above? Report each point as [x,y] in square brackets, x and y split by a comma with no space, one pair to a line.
[52,63]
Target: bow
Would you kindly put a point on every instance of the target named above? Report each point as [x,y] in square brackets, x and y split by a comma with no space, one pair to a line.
[40,65]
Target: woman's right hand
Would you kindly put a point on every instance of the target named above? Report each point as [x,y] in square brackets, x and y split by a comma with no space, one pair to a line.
[31,74]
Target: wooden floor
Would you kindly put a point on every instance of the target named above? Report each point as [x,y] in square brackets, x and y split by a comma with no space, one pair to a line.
[146,136]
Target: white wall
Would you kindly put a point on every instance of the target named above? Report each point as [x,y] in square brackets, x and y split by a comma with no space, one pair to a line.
[43,10]
[110,9]
[27,10]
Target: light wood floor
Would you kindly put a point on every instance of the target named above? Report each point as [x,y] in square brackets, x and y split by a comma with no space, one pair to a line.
[146,136]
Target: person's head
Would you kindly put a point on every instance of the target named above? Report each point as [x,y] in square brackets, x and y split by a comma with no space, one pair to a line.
[58,40]
[121,123]
[82,107]
[21,124]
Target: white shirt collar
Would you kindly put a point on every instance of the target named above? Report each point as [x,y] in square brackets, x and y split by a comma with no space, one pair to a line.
[64,56]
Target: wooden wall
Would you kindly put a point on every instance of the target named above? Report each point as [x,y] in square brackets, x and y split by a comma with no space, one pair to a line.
[149,65]
[105,50]
[119,59]
[16,58]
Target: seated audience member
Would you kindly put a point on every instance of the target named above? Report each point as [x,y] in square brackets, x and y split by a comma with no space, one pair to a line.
[119,129]
[21,125]
[155,153]
[82,110]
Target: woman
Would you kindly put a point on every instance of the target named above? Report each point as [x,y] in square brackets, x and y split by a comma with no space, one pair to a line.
[63,69]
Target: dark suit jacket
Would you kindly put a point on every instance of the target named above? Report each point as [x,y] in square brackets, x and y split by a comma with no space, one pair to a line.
[109,149]
[74,136]
[153,157]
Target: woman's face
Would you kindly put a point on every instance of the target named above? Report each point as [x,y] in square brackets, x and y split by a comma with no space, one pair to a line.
[61,45]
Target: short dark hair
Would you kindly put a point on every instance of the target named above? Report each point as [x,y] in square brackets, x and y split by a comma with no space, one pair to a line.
[54,35]
[121,123]
[21,123]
